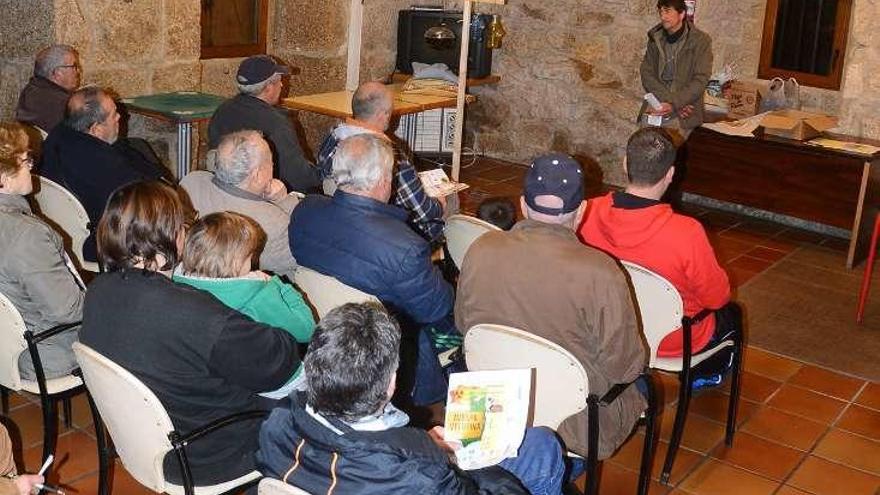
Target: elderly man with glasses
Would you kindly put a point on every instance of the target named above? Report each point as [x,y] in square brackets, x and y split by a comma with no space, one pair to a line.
[57,74]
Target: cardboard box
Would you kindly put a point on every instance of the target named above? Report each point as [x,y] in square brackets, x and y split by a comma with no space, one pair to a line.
[743,99]
[795,124]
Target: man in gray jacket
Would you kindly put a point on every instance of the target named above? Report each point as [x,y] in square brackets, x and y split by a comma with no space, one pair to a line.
[243,183]
[676,68]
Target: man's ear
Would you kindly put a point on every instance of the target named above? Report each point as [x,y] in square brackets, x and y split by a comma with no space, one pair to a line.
[579,217]
[669,175]
[523,207]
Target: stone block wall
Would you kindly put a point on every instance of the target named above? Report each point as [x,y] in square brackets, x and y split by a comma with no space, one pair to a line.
[569,67]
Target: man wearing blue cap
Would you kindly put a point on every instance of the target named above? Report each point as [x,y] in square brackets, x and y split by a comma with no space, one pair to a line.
[260,84]
[538,277]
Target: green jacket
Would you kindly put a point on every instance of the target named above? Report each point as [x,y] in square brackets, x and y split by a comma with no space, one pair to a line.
[693,68]
[271,302]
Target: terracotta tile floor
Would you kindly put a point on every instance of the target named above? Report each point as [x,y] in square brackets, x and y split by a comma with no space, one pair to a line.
[802,429]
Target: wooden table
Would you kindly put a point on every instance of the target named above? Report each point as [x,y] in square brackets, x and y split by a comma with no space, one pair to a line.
[338,103]
[821,185]
[182,108]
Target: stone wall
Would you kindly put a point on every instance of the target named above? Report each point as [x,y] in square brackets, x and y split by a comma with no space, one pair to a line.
[571,83]
[569,67]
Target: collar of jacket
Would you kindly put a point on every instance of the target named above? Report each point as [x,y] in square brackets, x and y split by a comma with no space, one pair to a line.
[529,225]
[237,191]
[658,34]
[370,205]
[42,82]
[13,203]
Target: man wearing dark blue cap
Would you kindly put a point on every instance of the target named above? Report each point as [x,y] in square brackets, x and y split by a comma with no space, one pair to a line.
[538,277]
[259,81]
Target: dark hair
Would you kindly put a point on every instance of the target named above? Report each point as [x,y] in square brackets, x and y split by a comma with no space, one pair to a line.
[216,244]
[84,108]
[142,220]
[352,358]
[500,212]
[649,154]
[678,5]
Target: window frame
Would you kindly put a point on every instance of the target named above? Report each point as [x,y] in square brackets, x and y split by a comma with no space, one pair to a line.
[841,35]
[241,50]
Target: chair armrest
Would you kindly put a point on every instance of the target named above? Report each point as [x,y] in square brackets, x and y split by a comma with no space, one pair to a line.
[614,392]
[180,441]
[32,337]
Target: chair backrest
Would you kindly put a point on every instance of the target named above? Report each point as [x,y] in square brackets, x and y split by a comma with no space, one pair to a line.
[461,231]
[271,486]
[62,208]
[136,420]
[561,385]
[660,305]
[325,292]
[12,343]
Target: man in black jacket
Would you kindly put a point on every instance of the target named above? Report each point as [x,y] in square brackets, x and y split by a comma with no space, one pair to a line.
[259,81]
[343,434]
[83,155]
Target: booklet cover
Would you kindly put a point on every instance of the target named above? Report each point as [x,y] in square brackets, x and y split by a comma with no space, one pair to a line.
[437,184]
[486,412]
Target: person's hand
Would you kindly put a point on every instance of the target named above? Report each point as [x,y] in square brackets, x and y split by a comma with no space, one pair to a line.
[26,483]
[664,110]
[685,111]
[275,191]
[436,433]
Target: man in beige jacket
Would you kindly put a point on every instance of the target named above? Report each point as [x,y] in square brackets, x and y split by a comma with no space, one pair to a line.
[10,482]
[538,277]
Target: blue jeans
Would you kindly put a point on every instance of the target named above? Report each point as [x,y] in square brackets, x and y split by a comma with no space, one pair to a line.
[539,463]
[430,380]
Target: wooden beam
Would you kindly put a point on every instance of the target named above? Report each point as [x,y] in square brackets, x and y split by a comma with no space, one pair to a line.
[462,86]
[355,25]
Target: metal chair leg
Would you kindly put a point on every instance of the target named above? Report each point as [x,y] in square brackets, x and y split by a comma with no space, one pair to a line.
[4,398]
[650,438]
[684,398]
[733,401]
[105,460]
[869,268]
[50,426]
[592,487]
[67,407]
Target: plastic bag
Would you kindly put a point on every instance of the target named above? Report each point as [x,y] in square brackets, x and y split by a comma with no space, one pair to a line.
[792,94]
[775,98]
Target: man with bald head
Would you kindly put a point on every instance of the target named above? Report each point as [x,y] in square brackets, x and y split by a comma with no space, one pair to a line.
[371,107]
[83,155]
[538,277]
[57,74]
[242,182]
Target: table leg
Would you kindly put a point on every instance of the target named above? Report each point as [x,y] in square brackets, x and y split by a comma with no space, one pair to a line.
[184,148]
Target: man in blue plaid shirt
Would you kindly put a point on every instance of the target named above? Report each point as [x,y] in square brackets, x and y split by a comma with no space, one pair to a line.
[371,107]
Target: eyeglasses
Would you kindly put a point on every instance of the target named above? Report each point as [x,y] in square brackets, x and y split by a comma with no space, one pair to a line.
[27,161]
[70,66]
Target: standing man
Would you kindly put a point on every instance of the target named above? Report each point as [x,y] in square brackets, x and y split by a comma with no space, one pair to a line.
[259,81]
[56,75]
[676,68]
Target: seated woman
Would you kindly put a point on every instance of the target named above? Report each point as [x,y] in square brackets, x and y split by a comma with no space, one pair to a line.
[35,273]
[202,359]
[218,257]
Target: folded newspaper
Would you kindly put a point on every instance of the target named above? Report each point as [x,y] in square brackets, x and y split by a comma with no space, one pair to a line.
[486,412]
[437,183]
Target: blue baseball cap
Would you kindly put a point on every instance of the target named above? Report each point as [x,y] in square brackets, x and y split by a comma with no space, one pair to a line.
[554,174]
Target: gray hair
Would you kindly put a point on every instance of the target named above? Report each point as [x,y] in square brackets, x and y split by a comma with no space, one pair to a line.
[257,88]
[50,58]
[84,108]
[362,161]
[368,100]
[238,154]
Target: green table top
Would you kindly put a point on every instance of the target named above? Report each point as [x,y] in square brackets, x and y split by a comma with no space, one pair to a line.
[179,106]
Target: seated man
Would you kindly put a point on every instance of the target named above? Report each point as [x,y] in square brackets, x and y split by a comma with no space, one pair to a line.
[539,278]
[56,75]
[343,431]
[635,226]
[371,107]
[357,237]
[82,155]
[259,81]
[243,183]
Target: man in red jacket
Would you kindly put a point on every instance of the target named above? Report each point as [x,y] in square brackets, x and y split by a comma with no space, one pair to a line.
[634,225]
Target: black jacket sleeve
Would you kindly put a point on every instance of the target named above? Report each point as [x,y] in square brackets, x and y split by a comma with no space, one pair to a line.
[254,356]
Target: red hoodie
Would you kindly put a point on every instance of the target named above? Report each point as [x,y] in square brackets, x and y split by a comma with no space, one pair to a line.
[672,245]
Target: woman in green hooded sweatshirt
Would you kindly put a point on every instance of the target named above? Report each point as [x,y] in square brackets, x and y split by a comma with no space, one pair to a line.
[218,257]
